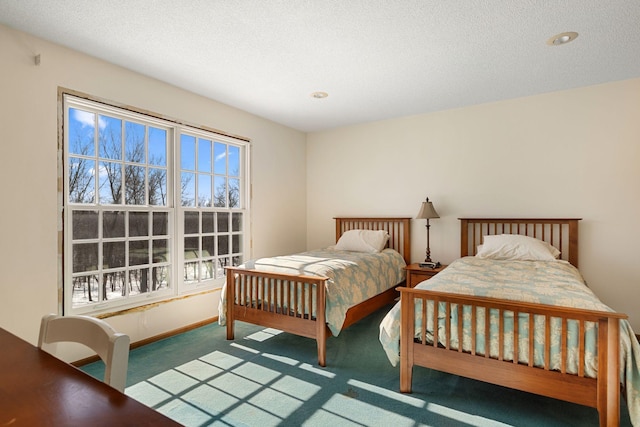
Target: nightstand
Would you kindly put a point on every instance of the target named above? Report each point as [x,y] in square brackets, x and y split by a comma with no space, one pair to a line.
[417,274]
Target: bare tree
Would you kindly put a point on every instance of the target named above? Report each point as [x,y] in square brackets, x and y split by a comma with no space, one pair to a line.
[228,193]
[81,174]
[157,187]
[185,180]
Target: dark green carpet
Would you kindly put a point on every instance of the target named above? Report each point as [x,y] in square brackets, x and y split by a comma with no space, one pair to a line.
[266,378]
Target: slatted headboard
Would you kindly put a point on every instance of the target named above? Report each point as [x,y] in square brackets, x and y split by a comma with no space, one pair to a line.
[559,232]
[399,230]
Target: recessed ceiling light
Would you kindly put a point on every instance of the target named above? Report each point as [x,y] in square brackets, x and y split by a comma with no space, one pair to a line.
[319,95]
[562,38]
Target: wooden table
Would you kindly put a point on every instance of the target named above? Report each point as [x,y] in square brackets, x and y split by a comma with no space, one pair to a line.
[37,389]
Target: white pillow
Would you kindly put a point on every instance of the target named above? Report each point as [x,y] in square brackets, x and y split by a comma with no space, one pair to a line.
[516,247]
[363,241]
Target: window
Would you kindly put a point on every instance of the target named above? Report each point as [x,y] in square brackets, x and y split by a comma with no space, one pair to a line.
[152,209]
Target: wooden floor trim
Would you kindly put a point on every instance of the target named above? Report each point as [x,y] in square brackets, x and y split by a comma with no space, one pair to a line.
[150,340]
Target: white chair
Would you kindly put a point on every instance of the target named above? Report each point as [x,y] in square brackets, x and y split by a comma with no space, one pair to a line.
[111,346]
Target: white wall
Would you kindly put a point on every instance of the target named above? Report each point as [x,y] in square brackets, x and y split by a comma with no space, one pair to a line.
[574,153]
[28,169]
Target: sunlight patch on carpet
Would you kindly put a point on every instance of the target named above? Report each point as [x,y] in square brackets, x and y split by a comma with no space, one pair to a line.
[147,393]
[221,359]
[184,413]
[282,359]
[235,385]
[227,388]
[244,348]
[362,413]
[469,419]
[256,373]
[295,387]
[400,397]
[315,370]
[173,382]
[263,334]
[199,370]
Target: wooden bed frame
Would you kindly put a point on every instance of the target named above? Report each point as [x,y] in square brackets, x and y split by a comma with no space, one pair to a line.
[602,393]
[266,310]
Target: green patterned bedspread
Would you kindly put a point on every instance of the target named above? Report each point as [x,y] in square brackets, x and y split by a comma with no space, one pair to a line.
[551,283]
[353,277]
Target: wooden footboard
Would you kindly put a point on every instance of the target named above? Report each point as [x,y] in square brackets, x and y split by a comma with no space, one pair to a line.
[291,303]
[602,393]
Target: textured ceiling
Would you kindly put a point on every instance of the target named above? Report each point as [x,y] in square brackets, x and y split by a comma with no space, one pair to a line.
[376,59]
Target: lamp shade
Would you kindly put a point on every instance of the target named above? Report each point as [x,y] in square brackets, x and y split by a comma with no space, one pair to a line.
[427,211]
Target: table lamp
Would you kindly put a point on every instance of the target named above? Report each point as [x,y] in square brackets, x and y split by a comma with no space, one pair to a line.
[427,211]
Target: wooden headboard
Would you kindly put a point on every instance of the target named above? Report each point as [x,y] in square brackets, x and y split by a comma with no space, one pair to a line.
[399,230]
[559,232]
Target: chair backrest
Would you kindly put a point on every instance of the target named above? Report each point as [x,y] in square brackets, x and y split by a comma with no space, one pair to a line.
[111,346]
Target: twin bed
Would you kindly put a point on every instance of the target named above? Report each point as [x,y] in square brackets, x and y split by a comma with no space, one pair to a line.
[317,294]
[466,319]
[516,316]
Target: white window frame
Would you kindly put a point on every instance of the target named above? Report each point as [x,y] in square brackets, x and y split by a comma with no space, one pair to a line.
[180,279]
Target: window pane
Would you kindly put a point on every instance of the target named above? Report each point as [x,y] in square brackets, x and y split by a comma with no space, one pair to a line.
[160,278]
[220,184]
[135,185]
[188,152]
[204,190]
[191,223]
[157,146]
[157,187]
[220,153]
[188,189]
[204,155]
[223,222]
[236,244]
[191,247]
[85,225]
[138,252]
[234,193]
[191,271]
[113,254]
[113,285]
[138,281]
[236,221]
[223,245]
[85,290]
[208,246]
[208,224]
[206,272]
[110,137]
[81,134]
[85,257]
[134,142]
[160,251]
[234,161]
[138,224]
[110,184]
[113,224]
[81,180]
[160,223]
[190,257]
